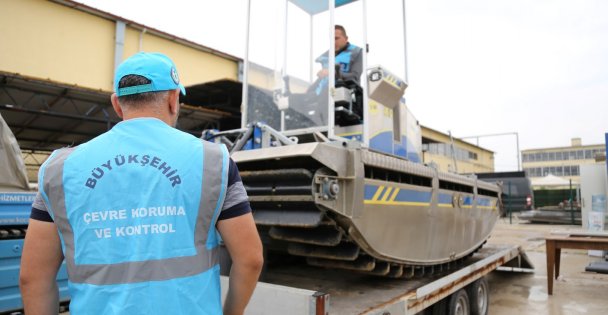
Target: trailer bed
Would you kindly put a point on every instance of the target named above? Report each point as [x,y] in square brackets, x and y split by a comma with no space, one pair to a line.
[344,292]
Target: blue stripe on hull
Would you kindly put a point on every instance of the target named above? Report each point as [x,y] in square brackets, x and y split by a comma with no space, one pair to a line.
[391,195]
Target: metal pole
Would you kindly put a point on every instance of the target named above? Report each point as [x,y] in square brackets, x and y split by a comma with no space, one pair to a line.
[453,150]
[571,204]
[246,69]
[404,45]
[509,204]
[284,66]
[363,79]
[311,64]
[517,140]
[332,72]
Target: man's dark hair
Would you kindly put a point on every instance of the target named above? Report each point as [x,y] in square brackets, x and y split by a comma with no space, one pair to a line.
[137,100]
[341,28]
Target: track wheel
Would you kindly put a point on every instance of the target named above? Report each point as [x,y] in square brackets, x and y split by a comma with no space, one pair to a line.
[459,303]
[479,296]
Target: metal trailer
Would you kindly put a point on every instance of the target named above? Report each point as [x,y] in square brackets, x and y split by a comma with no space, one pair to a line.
[301,289]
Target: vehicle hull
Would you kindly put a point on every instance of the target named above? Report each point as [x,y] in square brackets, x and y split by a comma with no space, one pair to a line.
[345,206]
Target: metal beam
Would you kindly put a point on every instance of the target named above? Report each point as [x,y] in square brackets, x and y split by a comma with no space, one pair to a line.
[76,124]
[30,120]
[33,148]
[54,130]
[56,114]
[101,95]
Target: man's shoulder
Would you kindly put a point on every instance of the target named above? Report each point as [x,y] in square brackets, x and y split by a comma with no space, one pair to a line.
[217,146]
[354,48]
[62,153]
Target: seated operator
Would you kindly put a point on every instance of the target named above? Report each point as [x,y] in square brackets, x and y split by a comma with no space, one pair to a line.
[349,66]
[348,60]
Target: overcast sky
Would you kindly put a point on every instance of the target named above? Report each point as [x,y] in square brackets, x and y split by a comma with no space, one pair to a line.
[538,68]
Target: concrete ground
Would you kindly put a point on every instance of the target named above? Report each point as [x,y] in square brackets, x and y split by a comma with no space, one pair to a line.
[574,292]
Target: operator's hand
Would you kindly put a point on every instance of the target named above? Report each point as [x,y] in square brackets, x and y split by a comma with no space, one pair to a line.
[323,73]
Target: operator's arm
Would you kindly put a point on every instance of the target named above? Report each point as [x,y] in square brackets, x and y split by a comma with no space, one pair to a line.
[243,243]
[40,262]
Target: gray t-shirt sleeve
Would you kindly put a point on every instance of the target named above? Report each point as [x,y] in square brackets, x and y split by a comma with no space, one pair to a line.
[39,210]
[236,202]
[39,203]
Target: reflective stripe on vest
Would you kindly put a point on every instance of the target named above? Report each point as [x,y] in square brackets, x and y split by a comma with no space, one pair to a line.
[152,270]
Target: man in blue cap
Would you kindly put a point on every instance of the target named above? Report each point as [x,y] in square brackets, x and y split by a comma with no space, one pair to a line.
[136,212]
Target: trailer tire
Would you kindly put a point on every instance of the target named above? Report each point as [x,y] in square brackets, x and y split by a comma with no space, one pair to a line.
[439,308]
[479,296]
[459,303]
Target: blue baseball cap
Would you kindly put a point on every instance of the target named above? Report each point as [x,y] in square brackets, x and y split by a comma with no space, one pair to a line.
[156,67]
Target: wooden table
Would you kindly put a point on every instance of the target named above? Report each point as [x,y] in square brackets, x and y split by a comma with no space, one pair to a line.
[555,243]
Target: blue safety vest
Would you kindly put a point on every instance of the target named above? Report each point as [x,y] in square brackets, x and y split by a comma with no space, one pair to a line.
[136,210]
[344,59]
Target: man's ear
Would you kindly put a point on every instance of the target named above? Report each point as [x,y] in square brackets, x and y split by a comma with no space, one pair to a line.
[115,105]
[174,101]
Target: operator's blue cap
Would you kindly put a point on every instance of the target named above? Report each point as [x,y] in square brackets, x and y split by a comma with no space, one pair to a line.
[156,67]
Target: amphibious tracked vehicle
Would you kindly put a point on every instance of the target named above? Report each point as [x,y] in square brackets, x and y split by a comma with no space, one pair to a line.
[333,167]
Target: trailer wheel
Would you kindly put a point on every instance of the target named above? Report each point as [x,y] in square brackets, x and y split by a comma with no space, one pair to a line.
[479,295]
[459,303]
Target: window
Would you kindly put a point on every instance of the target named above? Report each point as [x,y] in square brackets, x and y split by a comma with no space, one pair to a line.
[566,170]
[524,157]
[558,156]
[596,151]
[545,156]
[588,154]
[537,157]
[574,170]
[566,155]
[559,171]
[573,155]
[551,156]
[434,148]
[441,149]
[580,154]
[545,171]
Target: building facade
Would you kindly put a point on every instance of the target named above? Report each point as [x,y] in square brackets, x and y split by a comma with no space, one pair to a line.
[461,157]
[563,162]
[57,68]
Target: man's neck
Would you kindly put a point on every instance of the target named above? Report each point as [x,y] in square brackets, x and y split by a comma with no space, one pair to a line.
[147,114]
[342,49]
